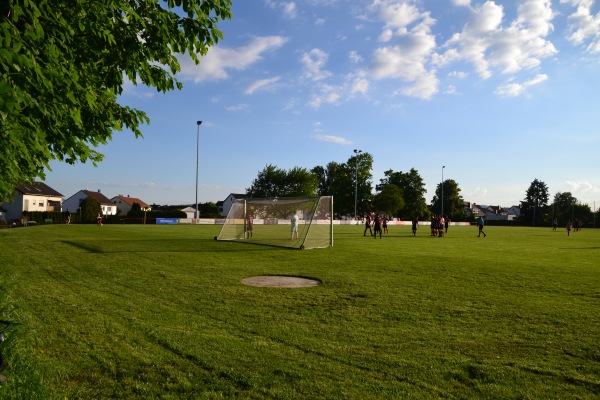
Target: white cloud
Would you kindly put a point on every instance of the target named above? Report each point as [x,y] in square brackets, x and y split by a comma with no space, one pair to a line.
[355,58]
[289,10]
[360,85]
[238,108]
[488,45]
[331,139]
[320,21]
[218,61]
[408,30]
[584,26]
[313,62]
[583,187]
[516,89]
[461,3]
[424,87]
[458,74]
[327,94]
[261,84]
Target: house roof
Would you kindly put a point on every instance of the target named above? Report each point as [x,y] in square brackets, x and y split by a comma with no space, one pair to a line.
[99,197]
[238,195]
[38,189]
[130,200]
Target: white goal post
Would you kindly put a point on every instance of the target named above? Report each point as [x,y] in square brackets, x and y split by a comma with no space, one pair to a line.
[294,222]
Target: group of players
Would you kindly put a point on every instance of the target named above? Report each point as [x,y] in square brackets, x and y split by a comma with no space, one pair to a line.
[439,225]
[375,223]
[379,224]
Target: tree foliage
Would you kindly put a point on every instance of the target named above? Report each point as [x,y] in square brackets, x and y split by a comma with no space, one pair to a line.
[534,208]
[348,183]
[453,203]
[63,65]
[89,210]
[565,207]
[413,192]
[275,182]
[389,200]
[210,210]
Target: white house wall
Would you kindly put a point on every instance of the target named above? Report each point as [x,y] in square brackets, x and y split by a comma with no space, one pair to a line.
[29,203]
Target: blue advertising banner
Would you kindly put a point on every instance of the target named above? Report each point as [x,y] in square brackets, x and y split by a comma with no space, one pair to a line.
[168,221]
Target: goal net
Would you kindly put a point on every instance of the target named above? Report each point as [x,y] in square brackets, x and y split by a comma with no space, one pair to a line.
[295,222]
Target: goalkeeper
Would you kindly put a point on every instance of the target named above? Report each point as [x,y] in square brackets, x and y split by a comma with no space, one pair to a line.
[294,221]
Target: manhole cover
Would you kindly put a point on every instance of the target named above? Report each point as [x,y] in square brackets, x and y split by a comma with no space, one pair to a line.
[280,281]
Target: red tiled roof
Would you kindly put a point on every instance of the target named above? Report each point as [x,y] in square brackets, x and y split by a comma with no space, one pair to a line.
[131,200]
[99,197]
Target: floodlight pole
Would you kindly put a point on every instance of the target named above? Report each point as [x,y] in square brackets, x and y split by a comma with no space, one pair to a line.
[443,166]
[356,153]
[198,123]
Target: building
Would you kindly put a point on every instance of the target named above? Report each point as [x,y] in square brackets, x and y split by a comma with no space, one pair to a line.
[228,202]
[74,202]
[124,204]
[32,197]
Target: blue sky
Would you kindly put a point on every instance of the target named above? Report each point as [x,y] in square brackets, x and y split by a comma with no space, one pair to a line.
[500,92]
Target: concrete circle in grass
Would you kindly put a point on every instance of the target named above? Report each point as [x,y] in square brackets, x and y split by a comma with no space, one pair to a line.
[280,281]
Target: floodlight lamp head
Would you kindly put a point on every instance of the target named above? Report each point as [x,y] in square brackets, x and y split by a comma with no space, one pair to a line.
[198,123]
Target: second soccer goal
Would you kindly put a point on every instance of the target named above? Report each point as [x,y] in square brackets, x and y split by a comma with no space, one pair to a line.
[294,222]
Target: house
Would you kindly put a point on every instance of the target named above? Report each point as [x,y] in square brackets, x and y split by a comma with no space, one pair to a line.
[74,202]
[124,204]
[32,197]
[228,202]
[514,212]
[189,211]
[495,212]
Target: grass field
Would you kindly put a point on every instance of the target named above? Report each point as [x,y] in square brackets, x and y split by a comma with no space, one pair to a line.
[159,312]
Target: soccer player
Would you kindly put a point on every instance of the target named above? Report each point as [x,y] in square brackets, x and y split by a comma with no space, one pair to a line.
[368,225]
[249,226]
[294,221]
[377,226]
[480,224]
[415,224]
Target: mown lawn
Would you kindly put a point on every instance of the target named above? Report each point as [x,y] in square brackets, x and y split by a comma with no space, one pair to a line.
[159,312]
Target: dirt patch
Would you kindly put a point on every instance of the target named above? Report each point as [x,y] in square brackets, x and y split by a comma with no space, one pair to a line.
[280,281]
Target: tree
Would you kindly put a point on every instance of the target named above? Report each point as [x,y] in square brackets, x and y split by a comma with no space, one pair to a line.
[413,192]
[566,207]
[275,182]
[135,211]
[454,204]
[345,181]
[534,207]
[562,206]
[389,200]
[89,209]
[63,66]
[210,210]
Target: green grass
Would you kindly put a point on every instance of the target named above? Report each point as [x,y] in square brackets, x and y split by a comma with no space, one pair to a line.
[159,312]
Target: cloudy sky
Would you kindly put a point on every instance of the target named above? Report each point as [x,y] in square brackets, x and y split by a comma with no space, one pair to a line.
[498,92]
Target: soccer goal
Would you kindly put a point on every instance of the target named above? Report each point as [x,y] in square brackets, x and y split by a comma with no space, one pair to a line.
[295,222]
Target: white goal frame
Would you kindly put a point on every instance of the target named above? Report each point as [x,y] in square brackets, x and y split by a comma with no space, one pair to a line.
[268,221]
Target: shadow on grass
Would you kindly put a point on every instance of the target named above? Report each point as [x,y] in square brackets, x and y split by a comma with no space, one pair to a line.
[160,246]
